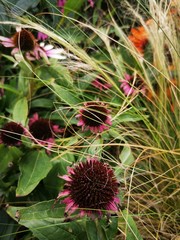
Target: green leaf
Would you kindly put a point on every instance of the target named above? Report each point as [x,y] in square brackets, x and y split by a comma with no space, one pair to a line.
[111,227]
[91,230]
[126,156]
[9,88]
[128,225]
[34,167]
[128,117]
[42,103]
[46,221]
[20,111]
[66,95]
[116,135]
[102,229]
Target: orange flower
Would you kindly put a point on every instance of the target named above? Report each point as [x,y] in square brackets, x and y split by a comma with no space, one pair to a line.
[139,37]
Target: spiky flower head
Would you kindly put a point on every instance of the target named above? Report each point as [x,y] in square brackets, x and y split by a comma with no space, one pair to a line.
[91,187]
[94,116]
[11,134]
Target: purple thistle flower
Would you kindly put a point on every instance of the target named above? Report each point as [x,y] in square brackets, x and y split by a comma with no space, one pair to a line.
[91,187]
[94,116]
[11,134]
[43,131]
[131,85]
[101,84]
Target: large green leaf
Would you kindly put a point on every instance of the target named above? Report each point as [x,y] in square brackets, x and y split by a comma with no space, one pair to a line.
[34,167]
[46,221]
[20,111]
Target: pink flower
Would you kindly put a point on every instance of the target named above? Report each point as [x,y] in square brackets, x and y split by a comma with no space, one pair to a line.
[42,36]
[101,84]
[91,187]
[25,42]
[94,116]
[43,131]
[91,2]
[131,85]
